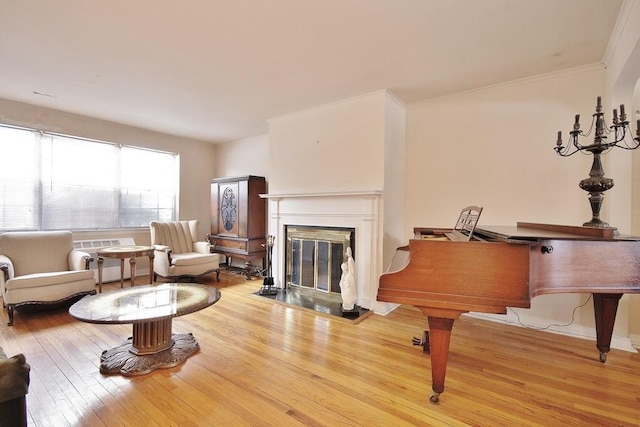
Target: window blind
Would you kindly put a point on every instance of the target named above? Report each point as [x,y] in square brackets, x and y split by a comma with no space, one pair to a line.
[62,182]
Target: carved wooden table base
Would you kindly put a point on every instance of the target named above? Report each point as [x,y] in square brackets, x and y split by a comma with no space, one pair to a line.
[121,360]
[151,310]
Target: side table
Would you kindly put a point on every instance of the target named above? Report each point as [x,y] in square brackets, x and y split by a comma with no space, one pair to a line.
[123,252]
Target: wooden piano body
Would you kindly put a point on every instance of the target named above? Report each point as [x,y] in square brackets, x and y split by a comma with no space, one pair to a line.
[506,267]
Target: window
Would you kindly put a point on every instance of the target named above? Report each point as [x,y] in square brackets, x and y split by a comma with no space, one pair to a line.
[53,182]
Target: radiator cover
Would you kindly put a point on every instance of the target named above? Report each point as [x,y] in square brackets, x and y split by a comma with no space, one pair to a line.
[111,266]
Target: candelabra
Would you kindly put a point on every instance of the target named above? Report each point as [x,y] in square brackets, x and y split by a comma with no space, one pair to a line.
[597,184]
[268,286]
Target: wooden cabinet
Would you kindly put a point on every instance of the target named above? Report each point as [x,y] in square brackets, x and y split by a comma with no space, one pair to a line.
[238,217]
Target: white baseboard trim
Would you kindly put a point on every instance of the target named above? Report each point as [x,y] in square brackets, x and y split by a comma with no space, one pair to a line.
[631,343]
[576,331]
[635,340]
[384,308]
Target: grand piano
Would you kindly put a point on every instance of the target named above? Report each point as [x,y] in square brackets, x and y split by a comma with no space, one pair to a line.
[507,266]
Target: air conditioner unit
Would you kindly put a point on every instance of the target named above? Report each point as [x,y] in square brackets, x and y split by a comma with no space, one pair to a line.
[111,266]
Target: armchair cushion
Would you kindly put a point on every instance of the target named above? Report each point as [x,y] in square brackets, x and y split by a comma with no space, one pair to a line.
[47,279]
[193,258]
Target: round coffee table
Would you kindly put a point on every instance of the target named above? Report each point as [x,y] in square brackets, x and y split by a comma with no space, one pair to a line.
[151,309]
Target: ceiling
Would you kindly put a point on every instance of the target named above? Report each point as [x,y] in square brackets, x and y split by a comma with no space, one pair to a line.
[215,70]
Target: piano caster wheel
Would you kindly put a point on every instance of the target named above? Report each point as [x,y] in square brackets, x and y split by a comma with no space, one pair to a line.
[435,398]
[603,357]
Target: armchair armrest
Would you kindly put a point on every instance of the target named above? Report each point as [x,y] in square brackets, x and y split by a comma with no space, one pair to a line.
[162,248]
[202,247]
[79,260]
[14,372]
[6,266]
[162,259]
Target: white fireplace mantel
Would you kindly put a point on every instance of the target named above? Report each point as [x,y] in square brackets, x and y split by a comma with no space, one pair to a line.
[360,210]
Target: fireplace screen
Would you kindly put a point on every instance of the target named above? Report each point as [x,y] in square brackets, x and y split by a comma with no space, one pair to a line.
[314,256]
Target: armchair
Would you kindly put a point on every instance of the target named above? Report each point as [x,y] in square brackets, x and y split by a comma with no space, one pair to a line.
[178,253]
[14,385]
[42,269]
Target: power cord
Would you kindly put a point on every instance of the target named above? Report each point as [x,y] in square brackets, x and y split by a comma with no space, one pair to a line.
[535,328]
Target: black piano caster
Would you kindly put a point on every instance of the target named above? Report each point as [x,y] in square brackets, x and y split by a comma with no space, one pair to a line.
[435,398]
[603,356]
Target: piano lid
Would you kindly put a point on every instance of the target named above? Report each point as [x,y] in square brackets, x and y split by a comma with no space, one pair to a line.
[526,231]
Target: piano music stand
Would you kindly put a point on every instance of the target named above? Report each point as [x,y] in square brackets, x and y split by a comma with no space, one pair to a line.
[466,224]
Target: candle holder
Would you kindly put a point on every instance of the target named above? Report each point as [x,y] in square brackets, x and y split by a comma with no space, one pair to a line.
[597,183]
[268,286]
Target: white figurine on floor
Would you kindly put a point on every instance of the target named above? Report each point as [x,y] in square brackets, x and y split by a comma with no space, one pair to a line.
[348,282]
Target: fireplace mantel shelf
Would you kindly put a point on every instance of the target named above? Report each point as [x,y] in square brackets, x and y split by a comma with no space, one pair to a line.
[325,194]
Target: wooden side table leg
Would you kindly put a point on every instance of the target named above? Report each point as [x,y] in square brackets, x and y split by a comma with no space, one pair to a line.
[121,273]
[132,263]
[100,262]
[151,257]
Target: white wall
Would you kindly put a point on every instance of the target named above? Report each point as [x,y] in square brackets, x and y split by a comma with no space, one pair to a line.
[494,148]
[394,184]
[197,158]
[334,147]
[249,156]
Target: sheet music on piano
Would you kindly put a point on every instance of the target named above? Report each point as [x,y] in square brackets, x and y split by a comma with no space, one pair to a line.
[463,229]
[461,232]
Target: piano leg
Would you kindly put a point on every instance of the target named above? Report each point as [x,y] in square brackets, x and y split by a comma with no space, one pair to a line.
[439,339]
[605,307]
[440,326]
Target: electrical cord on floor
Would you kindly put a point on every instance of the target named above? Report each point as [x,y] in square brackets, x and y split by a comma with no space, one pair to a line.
[535,328]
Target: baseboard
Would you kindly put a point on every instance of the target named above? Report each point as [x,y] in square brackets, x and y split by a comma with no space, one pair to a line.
[384,308]
[631,343]
[576,331]
[635,340]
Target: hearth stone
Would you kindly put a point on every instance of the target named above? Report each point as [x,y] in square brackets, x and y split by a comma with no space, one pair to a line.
[321,303]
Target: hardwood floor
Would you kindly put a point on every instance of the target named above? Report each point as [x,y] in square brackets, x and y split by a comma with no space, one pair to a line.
[262,363]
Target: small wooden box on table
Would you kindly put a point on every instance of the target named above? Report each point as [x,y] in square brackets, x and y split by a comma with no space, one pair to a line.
[238,219]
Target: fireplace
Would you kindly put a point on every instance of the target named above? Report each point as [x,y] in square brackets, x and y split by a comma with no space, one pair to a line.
[359,211]
[314,255]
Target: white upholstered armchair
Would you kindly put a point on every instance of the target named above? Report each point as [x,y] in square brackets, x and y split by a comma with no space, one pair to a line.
[42,269]
[178,253]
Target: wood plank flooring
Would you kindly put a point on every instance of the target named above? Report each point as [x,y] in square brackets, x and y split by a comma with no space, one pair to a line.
[267,364]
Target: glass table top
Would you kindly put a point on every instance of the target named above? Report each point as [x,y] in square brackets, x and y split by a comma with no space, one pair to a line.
[145,303]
